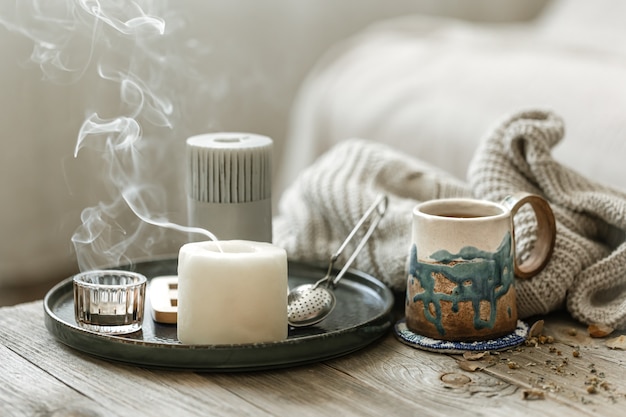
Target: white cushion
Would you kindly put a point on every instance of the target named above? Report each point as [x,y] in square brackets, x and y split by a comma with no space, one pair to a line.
[434,87]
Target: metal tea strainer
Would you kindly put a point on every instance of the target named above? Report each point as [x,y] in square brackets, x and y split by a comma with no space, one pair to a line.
[309,304]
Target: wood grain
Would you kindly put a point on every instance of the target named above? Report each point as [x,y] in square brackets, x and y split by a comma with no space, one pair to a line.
[433,381]
[40,376]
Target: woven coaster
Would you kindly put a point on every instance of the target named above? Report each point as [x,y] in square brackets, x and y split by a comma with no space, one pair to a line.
[410,338]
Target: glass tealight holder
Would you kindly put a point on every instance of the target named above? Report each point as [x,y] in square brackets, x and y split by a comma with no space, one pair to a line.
[109,301]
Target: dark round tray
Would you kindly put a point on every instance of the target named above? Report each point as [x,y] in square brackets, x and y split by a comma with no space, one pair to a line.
[362,315]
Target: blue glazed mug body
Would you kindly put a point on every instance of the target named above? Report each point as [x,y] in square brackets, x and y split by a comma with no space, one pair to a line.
[462,266]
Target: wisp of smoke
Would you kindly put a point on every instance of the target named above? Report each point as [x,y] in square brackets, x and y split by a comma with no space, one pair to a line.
[125,42]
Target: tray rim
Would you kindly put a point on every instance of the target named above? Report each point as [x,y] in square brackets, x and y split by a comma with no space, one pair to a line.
[347,340]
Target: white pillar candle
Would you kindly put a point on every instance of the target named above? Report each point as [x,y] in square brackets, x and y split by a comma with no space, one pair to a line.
[237,295]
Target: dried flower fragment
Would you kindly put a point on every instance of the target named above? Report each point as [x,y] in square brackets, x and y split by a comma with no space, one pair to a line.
[599,330]
[618,342]
[531,342]
[474,356]
[536,329]
[470,366]
[534,394]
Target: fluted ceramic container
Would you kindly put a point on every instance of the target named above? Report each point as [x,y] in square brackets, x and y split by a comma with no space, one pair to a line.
[229,185]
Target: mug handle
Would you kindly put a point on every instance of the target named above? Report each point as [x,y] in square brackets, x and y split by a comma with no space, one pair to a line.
[546,232]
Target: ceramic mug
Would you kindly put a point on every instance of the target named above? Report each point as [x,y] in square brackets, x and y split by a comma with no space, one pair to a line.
[462,266]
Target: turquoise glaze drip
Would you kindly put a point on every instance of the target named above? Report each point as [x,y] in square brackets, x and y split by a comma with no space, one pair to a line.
[479,276]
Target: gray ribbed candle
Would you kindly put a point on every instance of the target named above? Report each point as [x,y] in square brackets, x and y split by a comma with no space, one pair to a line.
[229,185]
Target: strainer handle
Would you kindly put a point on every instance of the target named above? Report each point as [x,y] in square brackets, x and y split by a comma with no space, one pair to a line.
[378,208]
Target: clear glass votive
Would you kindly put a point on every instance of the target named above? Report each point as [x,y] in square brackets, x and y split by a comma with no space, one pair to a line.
[109,301]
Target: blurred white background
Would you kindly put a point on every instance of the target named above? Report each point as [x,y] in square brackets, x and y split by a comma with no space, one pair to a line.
[250,57]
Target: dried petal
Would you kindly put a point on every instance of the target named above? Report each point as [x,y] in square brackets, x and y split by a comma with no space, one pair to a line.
[599,330]
[474,356]
[617,342]
[536,329]
[470,366]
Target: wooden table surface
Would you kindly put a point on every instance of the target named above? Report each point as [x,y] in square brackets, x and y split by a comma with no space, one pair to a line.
[573,376]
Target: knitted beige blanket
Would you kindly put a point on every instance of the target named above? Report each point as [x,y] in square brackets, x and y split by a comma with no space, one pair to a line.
[587,272]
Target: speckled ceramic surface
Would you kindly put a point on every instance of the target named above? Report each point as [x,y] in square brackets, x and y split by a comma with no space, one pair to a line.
[462,266]
[362,315]
[408,337]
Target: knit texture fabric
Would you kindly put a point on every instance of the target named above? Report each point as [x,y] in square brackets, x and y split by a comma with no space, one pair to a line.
[587,272]
[588,268]
[318,211]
